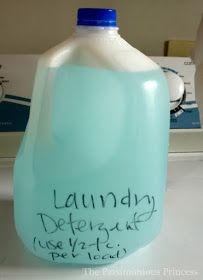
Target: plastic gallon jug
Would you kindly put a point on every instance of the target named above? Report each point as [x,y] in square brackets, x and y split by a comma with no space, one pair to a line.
[89,178]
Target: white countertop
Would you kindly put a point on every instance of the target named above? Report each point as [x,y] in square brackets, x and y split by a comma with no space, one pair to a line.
[177,253]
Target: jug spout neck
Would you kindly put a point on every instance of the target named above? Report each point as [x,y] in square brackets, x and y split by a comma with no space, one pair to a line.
[96,30]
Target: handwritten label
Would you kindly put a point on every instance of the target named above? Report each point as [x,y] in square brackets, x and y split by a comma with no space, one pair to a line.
[75,228]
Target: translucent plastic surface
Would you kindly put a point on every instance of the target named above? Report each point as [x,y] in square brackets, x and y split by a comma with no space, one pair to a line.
[89,178]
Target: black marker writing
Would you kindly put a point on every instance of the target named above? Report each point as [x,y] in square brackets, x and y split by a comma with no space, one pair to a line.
[109,200]
[134,211]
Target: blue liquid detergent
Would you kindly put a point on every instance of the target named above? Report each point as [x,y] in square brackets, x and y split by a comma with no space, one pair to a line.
[89,185]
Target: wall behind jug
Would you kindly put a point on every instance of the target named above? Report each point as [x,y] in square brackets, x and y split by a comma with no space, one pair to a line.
[33,26]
